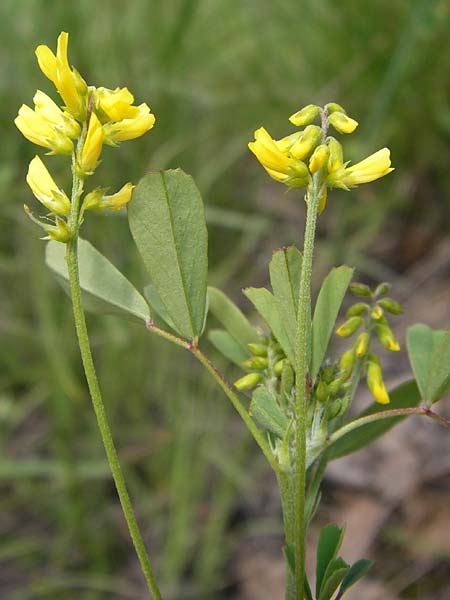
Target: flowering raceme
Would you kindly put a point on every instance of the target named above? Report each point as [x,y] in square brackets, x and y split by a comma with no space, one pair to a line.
[89,118]
[285,159]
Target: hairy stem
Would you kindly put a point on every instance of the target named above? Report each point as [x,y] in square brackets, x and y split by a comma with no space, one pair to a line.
[94,389]
[302,350]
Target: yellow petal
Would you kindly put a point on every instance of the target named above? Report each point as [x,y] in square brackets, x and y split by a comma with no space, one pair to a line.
[45,189]
[92,146]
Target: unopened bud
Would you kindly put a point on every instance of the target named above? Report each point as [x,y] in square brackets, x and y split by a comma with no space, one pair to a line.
[383,289]
[248,382]
[350,326]
[347,362]
[257,349]
[391,306]
[306,142]
[335,107]
[335,158]
[335,409]
[362,344]
[328,373]
[305,116]
[376,313]
[357,309]
[256,362]
[278,368]
[375,381]
[342,122]
[360,289]
[319,158]
[387,338]
[322,201]
[322,392]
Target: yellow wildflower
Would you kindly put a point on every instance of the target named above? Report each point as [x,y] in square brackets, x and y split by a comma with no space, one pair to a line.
[373,167]
[47,125]
[97,199]
[375,381]
[319,158]
[277,160]
[69,83]
[92,147]
[342,123]
[45,189]
[305,116]
[138,121]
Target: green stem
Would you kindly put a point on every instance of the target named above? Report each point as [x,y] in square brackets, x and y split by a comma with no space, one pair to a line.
[303,338]
[225,386]
[94,389]
[420,411]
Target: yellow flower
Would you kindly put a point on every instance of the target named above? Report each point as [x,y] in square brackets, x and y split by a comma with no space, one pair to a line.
[45,189]
[277,160]
[69,83]
[319,158]
[92,146]
[47,125]
[342,123]
[305,116]
[375,381]
[373,167]
[114,105]
[97,200]
[139,121]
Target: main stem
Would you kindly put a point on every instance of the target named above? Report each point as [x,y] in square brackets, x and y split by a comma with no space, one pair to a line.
[301,387]
[94,389]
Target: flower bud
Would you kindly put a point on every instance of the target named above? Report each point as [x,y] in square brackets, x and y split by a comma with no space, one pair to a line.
[375,381]
[92,147]
[278,368]
[305,116]
[342,122]
[45,189]
[362,344]
[256,362]
[257,349]
[360,289]
[382,289]
[347,362]
[336,408]
[322,392]
[391,306]
[349,327]
[319,158]
[357,309]
[322,201]
[248,382]
[376,313]
[335,158]
[387,338]
[334,107]
[306,143]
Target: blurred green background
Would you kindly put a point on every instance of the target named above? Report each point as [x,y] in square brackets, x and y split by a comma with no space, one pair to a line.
[212,72]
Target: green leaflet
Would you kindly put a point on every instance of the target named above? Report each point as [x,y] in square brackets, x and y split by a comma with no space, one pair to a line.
[327,307]
[227,345]
[285,270]
[330,541]
[267,413]
[422,343]
[438,380]
[266,305]
[167,221]
[231,317]
[105,289]
[404,396]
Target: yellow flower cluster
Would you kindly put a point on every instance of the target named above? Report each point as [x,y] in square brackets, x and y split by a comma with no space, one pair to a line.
[295,159]
[89,118]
